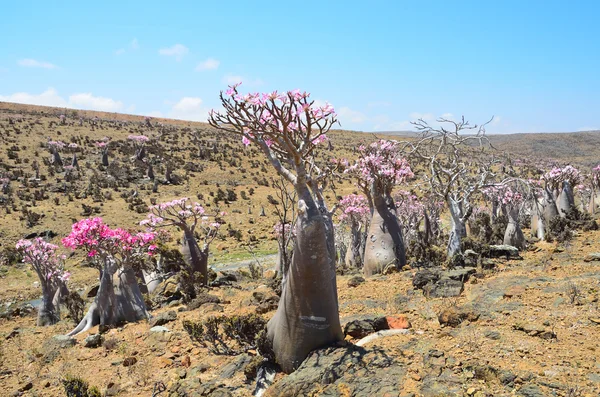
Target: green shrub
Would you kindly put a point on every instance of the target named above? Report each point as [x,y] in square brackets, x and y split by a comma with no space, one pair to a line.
[77,387]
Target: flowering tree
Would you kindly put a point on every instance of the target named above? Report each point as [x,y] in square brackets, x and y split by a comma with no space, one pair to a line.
[116,253]
[49,267]
[288,127]
[378,170]
[63,119]
[103,145]
[55,147]
[457,170]
[189,218]
[355,214]
[139,142]
[560,181]
[511,198]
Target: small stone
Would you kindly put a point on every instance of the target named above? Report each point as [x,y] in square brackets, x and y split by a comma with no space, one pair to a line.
[185,361]
[129,361]
[398,322]
[414,376]
[163,318]
[93,341]
[355,281]
[159,328]
[358,329]
[494,335]
[26,386]
[471,391]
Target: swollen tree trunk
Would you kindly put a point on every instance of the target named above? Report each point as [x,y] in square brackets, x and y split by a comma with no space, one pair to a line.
[105,158]
[385,244]
[56,160]
[592,204]
[355,252]
[140,153]
[194,257]
[566,199]
[49,310]
[549,205]
[459,228]
[307,317]
[114,305]
[513,234]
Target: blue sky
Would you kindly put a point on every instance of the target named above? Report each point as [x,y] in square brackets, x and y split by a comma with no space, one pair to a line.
[534,65]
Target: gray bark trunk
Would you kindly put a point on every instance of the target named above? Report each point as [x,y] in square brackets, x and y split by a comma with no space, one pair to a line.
[56,160]
[114,305]
[307,317]
[105,158]
[549,205]
[459,228]
[355,252]
[385,244]
[513,234]
[194,257]
[566,199]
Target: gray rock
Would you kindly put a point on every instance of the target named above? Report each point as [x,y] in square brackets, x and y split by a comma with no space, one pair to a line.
[531,390]
[460,274]
[425,277]
[506,377]
[163,318]
[364,372]
[494,335]
[504,251]
[230,369]
[444,288]
[358,329]
[355,281]
[595,256]
[60,342]
[93,341]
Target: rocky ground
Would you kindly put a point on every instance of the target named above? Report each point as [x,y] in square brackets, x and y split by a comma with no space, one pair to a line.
[524,327]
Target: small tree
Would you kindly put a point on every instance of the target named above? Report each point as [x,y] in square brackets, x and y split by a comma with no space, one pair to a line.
[285,209]
[287,128]
[190,218]
[378,170]
[49,267]
[55,147]
[457,170]
[139,142]
[114,252]
[355,214]
[103,145]
[561,181]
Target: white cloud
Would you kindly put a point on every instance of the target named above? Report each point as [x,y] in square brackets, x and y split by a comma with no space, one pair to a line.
[448,116]
[231,79]
[47,98]
[50,97]
[345,114]
[32,63]
[120,51]
[209,64]
[134,44]
[178,51]
[189,108]
[88,101]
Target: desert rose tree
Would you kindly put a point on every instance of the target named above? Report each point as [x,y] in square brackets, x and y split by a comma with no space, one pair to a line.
[42,257]
[189,218]
[288,127]
[458,168]
[355,214]
[378,170]
[117,254]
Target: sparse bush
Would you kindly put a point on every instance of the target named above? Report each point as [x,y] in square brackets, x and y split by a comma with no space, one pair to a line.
[77,387]
[227,335]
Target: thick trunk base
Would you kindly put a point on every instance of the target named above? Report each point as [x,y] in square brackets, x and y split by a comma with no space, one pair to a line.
[307,317]
[385,244]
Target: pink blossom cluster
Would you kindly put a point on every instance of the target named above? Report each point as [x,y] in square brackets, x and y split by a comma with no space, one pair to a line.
[505,194]
[98,239]
[556,176]
[182,213]
[102,145]
[56,145]
[408,206]
[138,139]
[381,162]
[283,230]
[73,146]
[290,113]
[42,256]
[355,208]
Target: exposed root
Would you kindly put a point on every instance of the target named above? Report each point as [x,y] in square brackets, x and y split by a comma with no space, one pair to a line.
[381,334]
[92,318]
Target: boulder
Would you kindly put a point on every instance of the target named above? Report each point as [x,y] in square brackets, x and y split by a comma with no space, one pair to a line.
[444,288]
[93,341]
[163,318]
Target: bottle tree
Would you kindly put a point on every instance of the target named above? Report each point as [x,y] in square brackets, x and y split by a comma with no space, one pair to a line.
[355,214]
[378,170]
[459,166]
[49,267]
[190,218]
[118,255]
[288,128]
